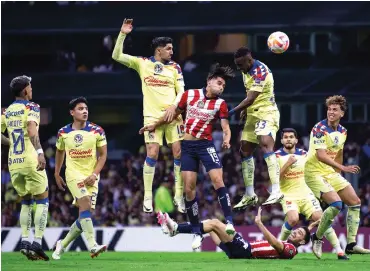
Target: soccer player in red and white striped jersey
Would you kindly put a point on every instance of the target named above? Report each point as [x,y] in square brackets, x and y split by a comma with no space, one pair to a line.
[203,107]
[235,246]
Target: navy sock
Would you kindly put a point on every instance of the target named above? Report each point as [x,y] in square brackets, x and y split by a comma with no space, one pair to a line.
[192,211]
[187,228]
[224,199]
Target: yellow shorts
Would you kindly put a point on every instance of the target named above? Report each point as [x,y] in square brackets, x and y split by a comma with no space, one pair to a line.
[173,131]
[79,189]
[320,184]
[266,123]
[306,206]
[29,181]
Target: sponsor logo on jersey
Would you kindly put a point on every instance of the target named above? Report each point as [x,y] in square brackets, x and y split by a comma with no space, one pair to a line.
[197,114]
[154,82]
[14,113]
[74,153]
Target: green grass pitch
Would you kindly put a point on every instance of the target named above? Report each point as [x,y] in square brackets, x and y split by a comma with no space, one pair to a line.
[212,261]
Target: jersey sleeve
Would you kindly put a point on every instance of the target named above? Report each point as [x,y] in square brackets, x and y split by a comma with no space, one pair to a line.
[33,113]
[319,140]
[60,140]
[183,101]
[257,83]
[179,84]
[224,112]
[3,125]
[289,251]
[101,139]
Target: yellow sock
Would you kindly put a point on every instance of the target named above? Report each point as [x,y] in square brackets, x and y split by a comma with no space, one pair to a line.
[25,218]
[248,174]
[332,237]
[73,233]
[327,218]
[148,175]
[88,228]
[286,229]
[274,171]
[352,221]
[179,183]
[41,217]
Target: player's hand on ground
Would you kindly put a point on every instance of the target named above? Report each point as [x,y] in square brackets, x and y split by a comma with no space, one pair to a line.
[226,145]
[257,219]
[90,181]
[351,169]
[60,182]
[292,159]
[126,27]
[41,162]
[170,113]
[149,128]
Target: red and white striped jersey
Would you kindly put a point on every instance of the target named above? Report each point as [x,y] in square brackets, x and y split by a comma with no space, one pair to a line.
[263,250]
[201,112]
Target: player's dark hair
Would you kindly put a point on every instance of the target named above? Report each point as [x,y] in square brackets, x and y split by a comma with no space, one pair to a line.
[242,51]
[73,103]
[337,99]
[289,130]
[18,84]
[160,42]
[224,72]
[307,235]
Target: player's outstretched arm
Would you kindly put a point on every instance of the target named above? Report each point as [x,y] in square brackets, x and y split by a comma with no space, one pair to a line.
[33,134]
[118,55]
[273,241]
[5,140]
[323,157]
[252,96]
[226,133]
[151,127]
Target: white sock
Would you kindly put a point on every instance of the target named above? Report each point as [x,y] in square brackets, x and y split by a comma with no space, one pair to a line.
[338,249]
[275,188]
[25,239]
[249,190]
[37,240]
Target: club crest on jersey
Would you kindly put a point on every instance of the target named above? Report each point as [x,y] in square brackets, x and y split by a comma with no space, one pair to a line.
[78,138]
[200,104]
[319,135]
[158,68]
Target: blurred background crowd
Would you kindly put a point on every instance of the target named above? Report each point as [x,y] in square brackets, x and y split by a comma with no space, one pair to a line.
[66,48]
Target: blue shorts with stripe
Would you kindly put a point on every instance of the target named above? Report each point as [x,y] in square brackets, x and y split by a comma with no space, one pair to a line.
[195,151]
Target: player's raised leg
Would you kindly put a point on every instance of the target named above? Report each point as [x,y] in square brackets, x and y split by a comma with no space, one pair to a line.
[179,182]
[267,143]
[250,198]
[349,197]
[152,150]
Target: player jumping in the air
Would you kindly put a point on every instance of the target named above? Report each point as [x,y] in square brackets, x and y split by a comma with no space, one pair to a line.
[80,140]
[261,126]
[27,164]
[298,198]
[235,246]
[203,107]
[322,175]
[162,86]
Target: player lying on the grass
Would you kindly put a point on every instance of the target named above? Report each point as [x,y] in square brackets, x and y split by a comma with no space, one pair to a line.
[80,140]
[323,176]
[27,164]
[298,198]
[162,86]
[203,107]
[235,246]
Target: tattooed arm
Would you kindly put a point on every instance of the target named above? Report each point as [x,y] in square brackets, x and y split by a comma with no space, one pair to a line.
[35,140]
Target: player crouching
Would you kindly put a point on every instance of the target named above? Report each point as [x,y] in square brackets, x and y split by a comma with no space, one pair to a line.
[235,246]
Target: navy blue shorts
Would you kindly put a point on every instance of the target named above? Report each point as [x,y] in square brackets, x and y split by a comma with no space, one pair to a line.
[194,151]
[238,248]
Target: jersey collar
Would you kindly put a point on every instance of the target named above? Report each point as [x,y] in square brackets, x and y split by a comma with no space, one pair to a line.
[86,128]
[21,102]
[297,151]
[205,92]
[153,60]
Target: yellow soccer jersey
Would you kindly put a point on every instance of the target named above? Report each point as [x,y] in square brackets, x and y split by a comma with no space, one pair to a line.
[161,83]
[22,153]
[80,147]
[260,79]
[323,137]
[293,184]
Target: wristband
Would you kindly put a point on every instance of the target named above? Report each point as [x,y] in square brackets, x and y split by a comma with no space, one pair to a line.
[39,151]
[96,175]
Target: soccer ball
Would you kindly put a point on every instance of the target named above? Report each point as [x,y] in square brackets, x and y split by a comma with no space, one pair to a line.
[278,42]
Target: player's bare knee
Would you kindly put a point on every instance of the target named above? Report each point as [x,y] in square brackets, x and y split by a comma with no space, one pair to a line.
[293,220]
[218,182]
[354,201]
[316,216]
[84,203]
[176,151]
[152,151]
